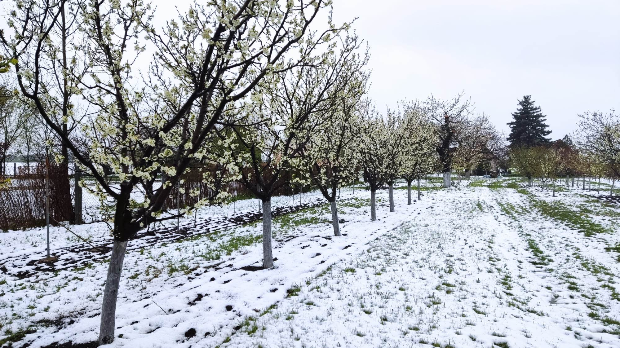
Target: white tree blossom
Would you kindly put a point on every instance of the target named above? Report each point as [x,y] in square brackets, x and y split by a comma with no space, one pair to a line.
[475,143]
[598,138]
[274,126]
[146,125]
[419,142]
[331,153]
[373,152]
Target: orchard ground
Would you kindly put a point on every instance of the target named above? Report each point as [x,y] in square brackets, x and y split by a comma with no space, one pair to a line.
[489,263]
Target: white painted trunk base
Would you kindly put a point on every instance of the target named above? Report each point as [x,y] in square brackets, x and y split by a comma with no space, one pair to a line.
[447,179]
[110,293]
[373,208]
[335,222]
[391,195]
[267,249]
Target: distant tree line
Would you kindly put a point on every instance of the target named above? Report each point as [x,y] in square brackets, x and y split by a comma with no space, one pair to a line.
[593,151]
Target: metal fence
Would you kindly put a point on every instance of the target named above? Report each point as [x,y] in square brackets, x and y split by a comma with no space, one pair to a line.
[26,189]
[23,197]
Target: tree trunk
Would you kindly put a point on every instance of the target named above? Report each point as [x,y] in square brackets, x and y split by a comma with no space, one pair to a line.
[66,95]
[468,174]
[573,181]
[77,196]
[267,251]
[373,208]
[613,183]
[2,161]
[553,183]
[584,183]
[408,192]
[447,179]
[391,194]
[598,187]
[47,202]
[335,222]
[110,293]
[419,193]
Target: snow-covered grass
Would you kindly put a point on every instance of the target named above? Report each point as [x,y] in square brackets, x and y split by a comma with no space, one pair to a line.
[490,263]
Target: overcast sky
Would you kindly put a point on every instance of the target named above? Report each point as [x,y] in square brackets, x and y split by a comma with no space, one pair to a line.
[565,53]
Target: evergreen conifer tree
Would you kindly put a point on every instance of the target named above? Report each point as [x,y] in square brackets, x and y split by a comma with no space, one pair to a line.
[528,128]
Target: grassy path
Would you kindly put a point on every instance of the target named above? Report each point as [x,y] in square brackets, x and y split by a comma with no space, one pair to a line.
[489,269]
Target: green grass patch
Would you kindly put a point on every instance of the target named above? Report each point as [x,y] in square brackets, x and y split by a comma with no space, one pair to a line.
[542,258]
[600,208]
[227,246]
[414,188]
[479,311]
[237,242]
[479,206]
[355,202]
[293,291]
[12,337]
[269,309]
[614,248]
[577,220]
[303,217]
[495,184]
[476,183]
[511,210]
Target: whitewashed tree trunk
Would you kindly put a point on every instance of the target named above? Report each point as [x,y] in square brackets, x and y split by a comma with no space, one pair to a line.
[419,192]
[373,207]
[447,179]
[335,221]
[391,194]
[110,293]
[408,192]
[267,250]
[613,183]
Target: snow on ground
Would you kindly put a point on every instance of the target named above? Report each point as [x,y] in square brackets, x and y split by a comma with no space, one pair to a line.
[466,277]
[34,240]
[474,266]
